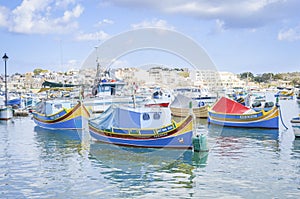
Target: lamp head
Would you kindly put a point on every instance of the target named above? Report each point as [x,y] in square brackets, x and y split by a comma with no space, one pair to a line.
[5,57]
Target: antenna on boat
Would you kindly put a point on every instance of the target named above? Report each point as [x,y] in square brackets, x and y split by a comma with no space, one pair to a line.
[134,88]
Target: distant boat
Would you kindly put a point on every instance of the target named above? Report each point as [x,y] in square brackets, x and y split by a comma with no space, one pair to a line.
[60,114]
[285,93]
[6,113]
[108,90]
[298,97]
[227,112]
[296,126]
[142,127]
[198,94]
[180,107]
[159,98]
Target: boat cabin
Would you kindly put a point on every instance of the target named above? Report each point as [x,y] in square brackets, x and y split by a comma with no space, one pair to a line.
[108,88]
[51,107]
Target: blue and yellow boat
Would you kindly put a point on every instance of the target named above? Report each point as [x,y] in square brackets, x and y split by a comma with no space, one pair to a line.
[227,112]
[59,114]
[145,127]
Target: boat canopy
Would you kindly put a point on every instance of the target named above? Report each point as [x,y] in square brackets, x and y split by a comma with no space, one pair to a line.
[182,101]
[126,117]
[55,84]
[226,105]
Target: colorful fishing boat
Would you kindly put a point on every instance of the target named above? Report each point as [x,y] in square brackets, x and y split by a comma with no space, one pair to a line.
[60,114]
[142,127]
[180,107]
[298,97]
[227,112]
[296,126]
[285,93]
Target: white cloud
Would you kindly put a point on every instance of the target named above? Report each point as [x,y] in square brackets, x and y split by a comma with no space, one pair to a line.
[37,16]
[292,34]
[154,23]
[64,3]
[97,36]
[75,13]
[104,22]
[4,12]
[219,27]
[234,13]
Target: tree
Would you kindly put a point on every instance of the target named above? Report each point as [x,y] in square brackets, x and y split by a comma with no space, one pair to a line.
[246,75]
[278,76]
[296,81]
[258,79]
[38,71]
[266,77]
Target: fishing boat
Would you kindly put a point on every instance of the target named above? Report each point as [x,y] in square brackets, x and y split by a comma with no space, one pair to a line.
[285,93]
[180,107]
[296,126]
[108,90]
[159,98]
[227,112]
[142,127]
[201,94]
[60,114]
[298,97]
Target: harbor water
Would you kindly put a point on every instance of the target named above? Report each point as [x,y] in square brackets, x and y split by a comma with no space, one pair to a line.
[241,163]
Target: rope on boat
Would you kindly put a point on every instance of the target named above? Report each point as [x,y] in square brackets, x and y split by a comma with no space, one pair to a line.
[281,118]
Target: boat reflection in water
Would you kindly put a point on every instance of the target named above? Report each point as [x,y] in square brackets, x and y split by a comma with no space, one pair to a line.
[296,145]
[235,142]
[132,159]
[56,142]
[253,133]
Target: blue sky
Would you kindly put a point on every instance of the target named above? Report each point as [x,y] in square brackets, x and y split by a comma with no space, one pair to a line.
[251,35]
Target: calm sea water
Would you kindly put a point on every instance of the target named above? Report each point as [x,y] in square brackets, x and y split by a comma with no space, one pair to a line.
[242,163]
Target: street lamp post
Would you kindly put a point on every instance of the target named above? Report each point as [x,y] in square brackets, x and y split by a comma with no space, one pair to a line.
[5,58]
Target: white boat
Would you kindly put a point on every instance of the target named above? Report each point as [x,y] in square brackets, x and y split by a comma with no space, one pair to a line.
[108,90]
[6,113]
[159,98]
[199,94]
[296,126]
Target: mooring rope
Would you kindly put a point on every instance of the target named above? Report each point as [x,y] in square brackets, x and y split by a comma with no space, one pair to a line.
[281,118]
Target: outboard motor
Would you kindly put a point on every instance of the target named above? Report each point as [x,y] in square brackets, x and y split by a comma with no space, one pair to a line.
[256,104]
[94,91]
[269,104]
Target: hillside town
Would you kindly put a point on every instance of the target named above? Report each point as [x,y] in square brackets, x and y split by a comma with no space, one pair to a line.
[156,75]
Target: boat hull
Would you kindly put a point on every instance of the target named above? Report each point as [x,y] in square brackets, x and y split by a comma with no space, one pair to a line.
[71,119]
[179,137]
[296,126]
[260,119]
[200,112]
[6,113]
[296,130]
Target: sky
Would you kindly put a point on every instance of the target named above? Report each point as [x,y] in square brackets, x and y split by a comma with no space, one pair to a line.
[238,35]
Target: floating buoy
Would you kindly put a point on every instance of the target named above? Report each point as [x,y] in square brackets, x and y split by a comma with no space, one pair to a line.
[200,143]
